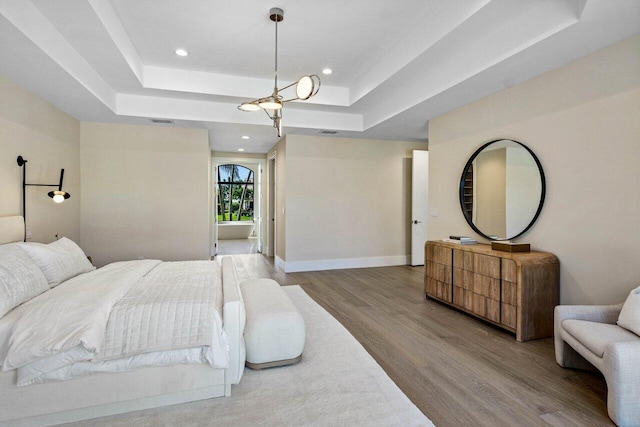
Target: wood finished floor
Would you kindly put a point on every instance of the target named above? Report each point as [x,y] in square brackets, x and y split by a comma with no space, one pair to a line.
[238,246]
[459,371]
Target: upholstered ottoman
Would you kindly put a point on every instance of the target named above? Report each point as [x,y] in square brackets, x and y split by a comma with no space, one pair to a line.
[274,333]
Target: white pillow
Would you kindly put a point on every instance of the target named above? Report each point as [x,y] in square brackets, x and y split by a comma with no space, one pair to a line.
[630,314]
[59,260]
[20,278]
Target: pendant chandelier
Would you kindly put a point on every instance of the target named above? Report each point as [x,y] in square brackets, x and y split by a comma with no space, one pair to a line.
[306,86]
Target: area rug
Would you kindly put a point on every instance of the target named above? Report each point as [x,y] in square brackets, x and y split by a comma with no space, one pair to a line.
[336,383]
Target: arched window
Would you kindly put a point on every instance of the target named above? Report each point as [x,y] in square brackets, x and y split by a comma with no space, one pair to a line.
[234,193]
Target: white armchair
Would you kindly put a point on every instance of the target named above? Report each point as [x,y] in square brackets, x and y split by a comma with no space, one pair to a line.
[587,336]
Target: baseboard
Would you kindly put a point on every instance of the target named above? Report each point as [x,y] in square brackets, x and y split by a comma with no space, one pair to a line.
[280,263]
[343,263]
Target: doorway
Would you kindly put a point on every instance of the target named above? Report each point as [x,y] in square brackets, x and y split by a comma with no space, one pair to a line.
[238,204]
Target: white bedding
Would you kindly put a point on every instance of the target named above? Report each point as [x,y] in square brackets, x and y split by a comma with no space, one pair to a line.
[121,317]
[175,305]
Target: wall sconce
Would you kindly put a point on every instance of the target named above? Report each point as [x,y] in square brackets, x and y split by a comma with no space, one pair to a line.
[58,195]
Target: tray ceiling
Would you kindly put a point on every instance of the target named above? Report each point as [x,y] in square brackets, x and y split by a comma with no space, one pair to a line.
[396,64]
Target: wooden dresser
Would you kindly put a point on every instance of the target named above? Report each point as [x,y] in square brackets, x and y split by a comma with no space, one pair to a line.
[516,291]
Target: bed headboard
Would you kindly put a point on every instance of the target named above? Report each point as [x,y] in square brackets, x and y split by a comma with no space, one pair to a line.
[11,229]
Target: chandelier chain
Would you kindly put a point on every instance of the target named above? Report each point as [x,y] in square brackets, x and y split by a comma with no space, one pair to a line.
[275,84]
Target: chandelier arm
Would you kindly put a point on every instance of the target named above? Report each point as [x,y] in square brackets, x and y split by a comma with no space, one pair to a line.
[291,99]
[288,86]
[269,115]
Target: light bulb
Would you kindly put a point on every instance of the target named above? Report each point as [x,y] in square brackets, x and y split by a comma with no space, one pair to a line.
[248,106]
[59,196]
[270,104]
[304,87]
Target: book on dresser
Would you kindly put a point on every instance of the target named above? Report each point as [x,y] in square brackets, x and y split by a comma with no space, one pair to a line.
[516,291]
[460,237]
[460,241]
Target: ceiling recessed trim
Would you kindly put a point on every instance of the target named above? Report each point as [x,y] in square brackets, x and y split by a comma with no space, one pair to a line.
[28,19]
[111,23]
[192,81]
[219,112]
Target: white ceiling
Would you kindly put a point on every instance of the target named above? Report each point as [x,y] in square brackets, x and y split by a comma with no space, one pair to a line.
[396,64]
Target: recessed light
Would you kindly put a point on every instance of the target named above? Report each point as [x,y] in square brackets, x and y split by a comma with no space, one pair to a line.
[245,137]
[327,71]
[240,149]
[181,52]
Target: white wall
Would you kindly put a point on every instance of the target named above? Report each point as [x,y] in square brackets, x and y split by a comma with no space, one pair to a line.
[49,140]
[582,122]
[348,202]
[146,192]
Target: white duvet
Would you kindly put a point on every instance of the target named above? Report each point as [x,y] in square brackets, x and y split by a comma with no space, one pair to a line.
[123,316]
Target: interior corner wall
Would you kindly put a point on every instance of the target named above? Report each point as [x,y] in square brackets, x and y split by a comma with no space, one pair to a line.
[49,140]
[348,202]
[146,192]
[581,120]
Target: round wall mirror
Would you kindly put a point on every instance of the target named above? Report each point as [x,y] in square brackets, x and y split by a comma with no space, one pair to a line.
[502,189]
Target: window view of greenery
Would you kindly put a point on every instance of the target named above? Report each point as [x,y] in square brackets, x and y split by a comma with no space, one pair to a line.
[234,193]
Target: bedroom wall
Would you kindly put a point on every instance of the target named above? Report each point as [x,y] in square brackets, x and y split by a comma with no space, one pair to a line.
[582,122]
[49,140]
[348,202]
[146,192]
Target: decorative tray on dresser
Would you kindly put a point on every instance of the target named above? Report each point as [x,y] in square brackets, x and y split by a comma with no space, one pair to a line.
[515,291]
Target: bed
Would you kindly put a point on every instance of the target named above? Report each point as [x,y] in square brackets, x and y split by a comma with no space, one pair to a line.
[84,371]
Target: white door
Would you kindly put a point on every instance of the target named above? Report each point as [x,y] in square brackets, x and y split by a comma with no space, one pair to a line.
[271,217]
[419,205]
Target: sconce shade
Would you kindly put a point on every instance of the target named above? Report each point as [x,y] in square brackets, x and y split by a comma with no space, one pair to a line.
[59,196]
[304,87]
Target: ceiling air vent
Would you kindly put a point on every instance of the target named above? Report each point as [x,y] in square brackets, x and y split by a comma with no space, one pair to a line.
[329,132]
[162,121]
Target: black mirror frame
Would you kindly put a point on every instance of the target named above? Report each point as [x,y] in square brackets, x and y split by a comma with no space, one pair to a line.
[542,192]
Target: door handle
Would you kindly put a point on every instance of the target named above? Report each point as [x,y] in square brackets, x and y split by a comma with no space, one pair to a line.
[415,221]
